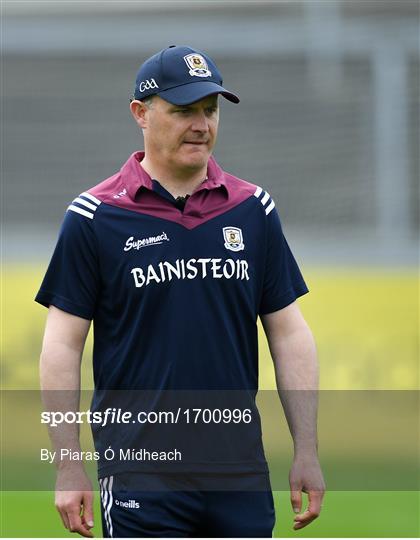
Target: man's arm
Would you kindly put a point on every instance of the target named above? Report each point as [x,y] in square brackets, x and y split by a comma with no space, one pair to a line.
[293,350]
[61,355]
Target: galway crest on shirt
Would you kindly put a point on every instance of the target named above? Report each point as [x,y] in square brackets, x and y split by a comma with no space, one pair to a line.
[233,238]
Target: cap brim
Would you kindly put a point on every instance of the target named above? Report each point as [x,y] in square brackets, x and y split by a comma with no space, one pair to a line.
[194,91]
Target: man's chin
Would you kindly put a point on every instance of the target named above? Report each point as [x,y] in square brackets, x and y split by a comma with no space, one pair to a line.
[196,162]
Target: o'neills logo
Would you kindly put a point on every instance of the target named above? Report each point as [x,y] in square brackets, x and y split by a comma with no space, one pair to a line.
[191,269]
[144,242]
[127,504]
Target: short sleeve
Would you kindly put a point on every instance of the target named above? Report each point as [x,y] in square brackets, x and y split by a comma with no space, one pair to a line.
[283,281]
[72,277]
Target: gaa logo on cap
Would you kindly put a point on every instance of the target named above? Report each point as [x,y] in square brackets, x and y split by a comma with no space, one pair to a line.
[198,65]
[149,84]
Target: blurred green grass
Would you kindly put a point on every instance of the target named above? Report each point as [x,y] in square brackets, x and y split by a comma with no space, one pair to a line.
[344,514]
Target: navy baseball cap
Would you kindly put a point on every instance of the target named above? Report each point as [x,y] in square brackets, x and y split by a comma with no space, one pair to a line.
[180,75]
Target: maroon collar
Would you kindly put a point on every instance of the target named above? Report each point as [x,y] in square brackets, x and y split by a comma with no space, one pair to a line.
[134,177]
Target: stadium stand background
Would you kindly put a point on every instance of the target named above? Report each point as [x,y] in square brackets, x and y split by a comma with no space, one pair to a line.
[328,121]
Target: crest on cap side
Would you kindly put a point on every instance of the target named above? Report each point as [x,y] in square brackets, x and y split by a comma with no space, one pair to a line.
[198,65]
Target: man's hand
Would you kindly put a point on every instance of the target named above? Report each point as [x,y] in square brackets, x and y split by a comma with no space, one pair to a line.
[74,500]
[306,476]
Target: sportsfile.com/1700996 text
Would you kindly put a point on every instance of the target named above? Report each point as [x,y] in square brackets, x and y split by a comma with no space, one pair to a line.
[113,415]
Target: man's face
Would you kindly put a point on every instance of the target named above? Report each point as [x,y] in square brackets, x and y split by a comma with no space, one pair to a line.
[181,137]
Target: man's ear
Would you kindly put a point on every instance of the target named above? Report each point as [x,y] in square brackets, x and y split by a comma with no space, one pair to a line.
[139,112]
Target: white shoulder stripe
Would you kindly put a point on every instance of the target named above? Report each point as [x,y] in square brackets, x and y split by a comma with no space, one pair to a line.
[85,203]
[80,211]
[269,207]
[265,198]
[90,197]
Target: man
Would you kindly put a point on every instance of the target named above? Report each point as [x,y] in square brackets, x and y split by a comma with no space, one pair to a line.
[174,259]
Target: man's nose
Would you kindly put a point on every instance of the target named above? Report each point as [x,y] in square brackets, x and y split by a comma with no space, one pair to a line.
[200,122]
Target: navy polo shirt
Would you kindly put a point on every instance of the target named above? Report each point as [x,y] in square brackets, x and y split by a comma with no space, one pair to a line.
[174,295]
